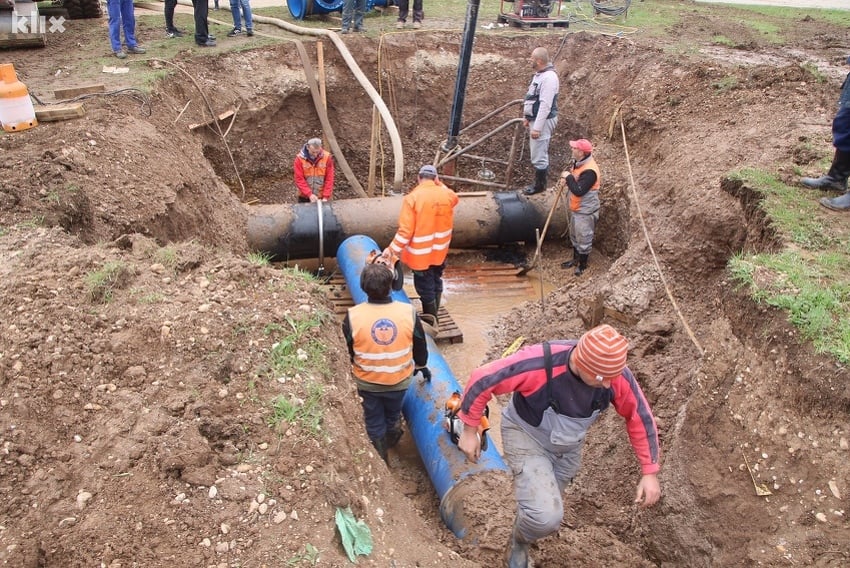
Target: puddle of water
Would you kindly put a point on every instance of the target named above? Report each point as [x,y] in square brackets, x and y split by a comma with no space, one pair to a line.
[475,309]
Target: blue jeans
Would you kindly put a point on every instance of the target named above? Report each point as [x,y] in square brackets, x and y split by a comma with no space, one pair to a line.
[121,16]
[355,9]
[381,411]
[246,8]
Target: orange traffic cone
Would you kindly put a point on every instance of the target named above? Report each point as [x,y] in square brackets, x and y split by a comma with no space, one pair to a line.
[16,110]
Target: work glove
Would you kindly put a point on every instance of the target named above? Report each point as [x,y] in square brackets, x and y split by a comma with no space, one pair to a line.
[426,373]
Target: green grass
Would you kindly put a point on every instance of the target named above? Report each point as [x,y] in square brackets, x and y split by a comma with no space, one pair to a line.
[809,278]
[298,349]
[306,411]
[726,84]
[102,283]
[168,257]
[259,258]
[720,39]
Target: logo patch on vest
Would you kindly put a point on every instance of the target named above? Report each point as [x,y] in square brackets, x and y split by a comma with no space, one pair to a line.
[384,331]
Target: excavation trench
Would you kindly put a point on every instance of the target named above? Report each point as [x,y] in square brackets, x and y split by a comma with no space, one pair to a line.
[694,227]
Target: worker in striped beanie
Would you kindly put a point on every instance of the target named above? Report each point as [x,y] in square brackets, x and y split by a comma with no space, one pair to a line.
[559,388]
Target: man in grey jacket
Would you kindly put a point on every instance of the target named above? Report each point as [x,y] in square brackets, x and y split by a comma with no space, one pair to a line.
[540,111]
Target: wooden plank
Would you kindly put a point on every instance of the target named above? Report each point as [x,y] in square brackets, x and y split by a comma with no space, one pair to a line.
[226,114]
[54,113]
[22,40]
[72,92]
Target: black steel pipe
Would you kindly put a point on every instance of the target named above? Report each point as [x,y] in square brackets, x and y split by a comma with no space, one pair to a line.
[462,73]
[290,232]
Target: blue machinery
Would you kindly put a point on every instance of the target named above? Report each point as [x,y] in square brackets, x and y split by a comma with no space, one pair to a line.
[424,405]
[302,8]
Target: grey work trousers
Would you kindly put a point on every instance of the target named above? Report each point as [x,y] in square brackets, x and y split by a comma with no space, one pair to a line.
[540,478]
[582,229]
[539,147]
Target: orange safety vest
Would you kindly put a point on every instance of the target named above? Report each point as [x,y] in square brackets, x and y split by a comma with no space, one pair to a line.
[425,225]
[315,174]
[589,164]
[382,341]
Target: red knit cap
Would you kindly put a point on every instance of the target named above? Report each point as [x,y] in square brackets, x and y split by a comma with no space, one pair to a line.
[602,352]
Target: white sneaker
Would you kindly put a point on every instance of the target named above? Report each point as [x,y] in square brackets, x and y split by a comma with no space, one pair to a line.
[399,25]
[417,25]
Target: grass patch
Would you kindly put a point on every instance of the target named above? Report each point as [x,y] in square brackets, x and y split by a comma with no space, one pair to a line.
[102,283]
[298,350]
[306,412]
[810,278]
[813,70]
[726,84]
[168,257]
[722,40]
[259,258]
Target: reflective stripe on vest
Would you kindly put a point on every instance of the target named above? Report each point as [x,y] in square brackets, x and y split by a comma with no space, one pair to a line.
[427,212]
[383,342]
[588,164]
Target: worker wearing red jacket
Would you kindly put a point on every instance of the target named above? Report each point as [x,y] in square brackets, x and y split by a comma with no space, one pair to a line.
[559,389]
[424,235]
[314,173]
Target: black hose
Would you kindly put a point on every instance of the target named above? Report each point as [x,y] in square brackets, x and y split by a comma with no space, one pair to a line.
[605,8]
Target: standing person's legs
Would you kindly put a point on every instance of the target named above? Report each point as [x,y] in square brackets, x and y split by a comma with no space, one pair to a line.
[583,227]
[113,9]
[202,11]
[169,15]
[249,17]
[347,15]
[359,13]
[128,21]
[237,17]
[428,284]
[403,8]
[418,13]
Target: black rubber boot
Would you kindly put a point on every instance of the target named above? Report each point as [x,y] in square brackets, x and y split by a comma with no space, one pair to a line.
[517,552]
[573,262]
[394,435]
[582,264]
[539,182]
[836,177]
[430,308]
[841,203]
[381,447]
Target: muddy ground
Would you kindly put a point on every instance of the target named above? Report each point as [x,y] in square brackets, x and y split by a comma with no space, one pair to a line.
[136,420]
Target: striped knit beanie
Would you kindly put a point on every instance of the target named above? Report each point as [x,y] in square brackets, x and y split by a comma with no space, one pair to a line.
[601,352]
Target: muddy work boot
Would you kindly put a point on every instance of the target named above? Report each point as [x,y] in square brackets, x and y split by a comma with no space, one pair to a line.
[381,447]
[582,264]
[539,182]
[517,552]
[826,183]
[573,262]
[841,203]
[430,309]
[394,435]
[836,178]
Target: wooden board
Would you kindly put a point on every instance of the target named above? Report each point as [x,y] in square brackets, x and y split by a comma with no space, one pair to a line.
[53,113]
[517,22]
[22,40]
[72,92]
[222,116]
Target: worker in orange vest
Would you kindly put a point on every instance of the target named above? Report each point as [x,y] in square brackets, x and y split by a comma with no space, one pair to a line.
[424,235]
[314,172]
[583,182]
[387,346]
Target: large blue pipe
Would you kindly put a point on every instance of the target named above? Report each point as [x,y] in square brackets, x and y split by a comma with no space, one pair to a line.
[424,405]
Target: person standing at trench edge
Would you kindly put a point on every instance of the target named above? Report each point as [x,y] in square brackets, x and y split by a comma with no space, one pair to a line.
[423,237]
[583,182]
[540,115]
[839,172]
[387,346]
[559,389]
